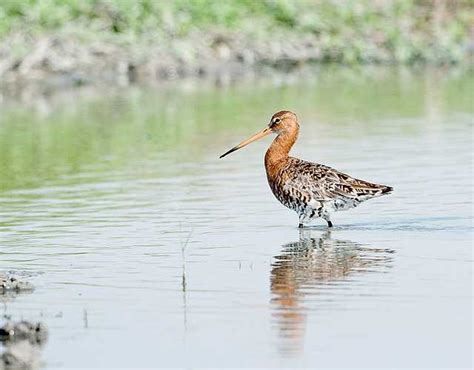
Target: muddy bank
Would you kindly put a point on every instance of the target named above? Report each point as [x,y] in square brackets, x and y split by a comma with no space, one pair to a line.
[35,333]
[22,341]
[11,284]
[64,61]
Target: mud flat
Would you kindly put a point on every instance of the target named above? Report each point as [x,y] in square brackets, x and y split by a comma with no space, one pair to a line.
[65,61]
[59,61]
[22,340]
[11,284]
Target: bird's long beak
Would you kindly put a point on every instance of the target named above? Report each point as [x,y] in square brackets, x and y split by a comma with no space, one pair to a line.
[266,131]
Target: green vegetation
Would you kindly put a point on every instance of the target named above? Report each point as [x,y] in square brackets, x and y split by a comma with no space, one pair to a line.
[403,31]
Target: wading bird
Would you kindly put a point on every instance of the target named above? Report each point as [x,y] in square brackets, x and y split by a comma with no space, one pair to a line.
[311,190]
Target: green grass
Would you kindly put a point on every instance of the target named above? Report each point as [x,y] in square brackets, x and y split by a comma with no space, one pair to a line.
[348,31]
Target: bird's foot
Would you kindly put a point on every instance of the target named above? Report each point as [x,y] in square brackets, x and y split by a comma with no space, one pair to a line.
[329,224]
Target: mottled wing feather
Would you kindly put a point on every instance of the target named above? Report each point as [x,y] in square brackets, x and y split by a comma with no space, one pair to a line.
[328,184]
[346,186]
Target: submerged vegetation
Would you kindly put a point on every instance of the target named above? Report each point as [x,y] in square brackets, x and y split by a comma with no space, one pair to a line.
[145,39]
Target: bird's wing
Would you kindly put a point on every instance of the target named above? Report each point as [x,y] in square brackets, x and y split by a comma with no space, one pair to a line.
[326,183]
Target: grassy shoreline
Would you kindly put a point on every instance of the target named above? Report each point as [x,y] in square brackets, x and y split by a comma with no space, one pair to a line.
[83,41]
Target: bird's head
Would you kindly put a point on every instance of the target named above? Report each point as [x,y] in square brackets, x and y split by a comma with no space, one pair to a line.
[281,122]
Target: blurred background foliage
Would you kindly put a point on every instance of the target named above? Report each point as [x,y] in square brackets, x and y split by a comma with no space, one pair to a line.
[403,31]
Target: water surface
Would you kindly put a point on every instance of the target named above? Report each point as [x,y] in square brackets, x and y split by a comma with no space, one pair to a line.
[146,250]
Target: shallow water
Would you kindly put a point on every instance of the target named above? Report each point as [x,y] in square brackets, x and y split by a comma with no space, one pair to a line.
[146,250]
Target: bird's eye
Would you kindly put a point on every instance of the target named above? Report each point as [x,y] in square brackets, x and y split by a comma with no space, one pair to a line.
[276,120]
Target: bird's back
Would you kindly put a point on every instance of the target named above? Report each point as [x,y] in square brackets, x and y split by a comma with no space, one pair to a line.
[305,182]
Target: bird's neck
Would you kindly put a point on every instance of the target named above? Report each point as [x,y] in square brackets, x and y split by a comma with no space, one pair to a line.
[277,154]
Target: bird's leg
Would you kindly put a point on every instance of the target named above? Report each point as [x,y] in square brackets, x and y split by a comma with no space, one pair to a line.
[325,215]
[302,219]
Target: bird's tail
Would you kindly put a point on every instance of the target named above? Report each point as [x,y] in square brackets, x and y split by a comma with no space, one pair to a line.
[386,189]
[371,190]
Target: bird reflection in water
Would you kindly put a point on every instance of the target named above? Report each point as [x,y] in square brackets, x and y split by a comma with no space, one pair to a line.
[305,268]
